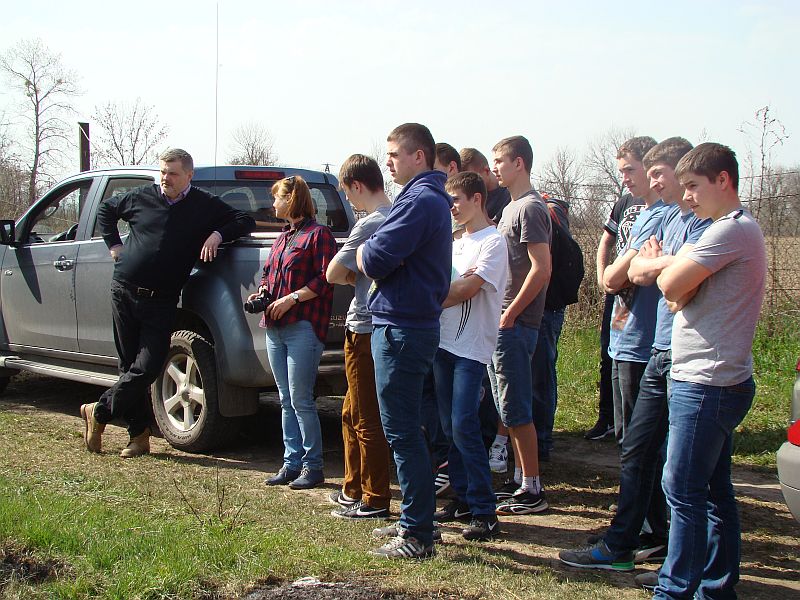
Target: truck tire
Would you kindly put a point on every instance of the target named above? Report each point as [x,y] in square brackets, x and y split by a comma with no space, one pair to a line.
[186,397]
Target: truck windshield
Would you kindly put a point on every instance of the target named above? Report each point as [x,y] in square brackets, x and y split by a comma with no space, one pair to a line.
[255,198]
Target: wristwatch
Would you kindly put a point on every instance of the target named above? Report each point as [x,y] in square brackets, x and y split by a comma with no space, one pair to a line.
[296,297]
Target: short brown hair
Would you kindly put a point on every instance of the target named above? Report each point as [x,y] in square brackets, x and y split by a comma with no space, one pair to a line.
[668,152]
[515,147]
[363,169]
[412,137]
[177,154]
[300,202]
[637,147]
[468,182]
[447,154]
[473,159]
[709,160]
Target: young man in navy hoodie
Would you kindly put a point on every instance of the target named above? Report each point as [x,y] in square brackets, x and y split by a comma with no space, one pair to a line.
[409,258]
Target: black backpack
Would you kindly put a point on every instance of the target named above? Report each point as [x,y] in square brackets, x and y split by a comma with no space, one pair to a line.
[567,266]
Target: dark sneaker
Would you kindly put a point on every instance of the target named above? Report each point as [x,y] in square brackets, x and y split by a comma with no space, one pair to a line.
[647,580]
[594,538]
[309,478]
[650,552]
[597,557]
[600,430]
[340,498]
[453,511]
[404,546]
[395,530]
[441,481]
[507,490]
[283,477]
[523,503]
[482,527]
[361,510]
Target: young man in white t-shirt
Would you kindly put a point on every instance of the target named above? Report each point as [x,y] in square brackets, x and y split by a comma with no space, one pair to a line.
[716,290]
[469,326]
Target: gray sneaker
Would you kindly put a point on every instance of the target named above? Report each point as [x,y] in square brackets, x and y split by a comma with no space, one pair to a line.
[405,546]
[395,530]
[648,580]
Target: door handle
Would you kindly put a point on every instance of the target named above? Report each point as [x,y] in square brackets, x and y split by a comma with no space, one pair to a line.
[63,263]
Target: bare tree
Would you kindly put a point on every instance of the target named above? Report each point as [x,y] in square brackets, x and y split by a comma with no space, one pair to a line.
[48,88]
[13,179]
[563,175]
[252,145]
[128,134]
[601,159]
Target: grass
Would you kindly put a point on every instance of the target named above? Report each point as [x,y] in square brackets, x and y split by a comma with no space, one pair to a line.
[775,354]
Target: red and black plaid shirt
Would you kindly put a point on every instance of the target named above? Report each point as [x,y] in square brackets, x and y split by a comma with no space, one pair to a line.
[299,258]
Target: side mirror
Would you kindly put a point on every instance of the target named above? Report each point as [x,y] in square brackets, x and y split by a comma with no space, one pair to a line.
[7,232]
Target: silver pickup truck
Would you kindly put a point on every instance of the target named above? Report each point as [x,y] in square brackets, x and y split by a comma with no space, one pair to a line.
[55,308]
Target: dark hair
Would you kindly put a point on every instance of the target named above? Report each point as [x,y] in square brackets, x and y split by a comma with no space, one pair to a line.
[300,202]
[472,159]
[412,137]
[468,182]
[709,160]
[637,147]
[668,151]
[515,147]
[363,169]
[447,154]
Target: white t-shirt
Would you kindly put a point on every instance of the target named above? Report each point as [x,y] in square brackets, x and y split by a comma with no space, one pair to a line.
[469,329]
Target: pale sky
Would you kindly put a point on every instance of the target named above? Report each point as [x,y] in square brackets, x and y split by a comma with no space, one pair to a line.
[329,79]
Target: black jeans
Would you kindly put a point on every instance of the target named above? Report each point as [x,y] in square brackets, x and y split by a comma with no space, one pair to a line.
[625,377]
[142,330]
[606,391]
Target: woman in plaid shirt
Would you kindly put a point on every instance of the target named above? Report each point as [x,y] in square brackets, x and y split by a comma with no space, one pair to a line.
[297,322]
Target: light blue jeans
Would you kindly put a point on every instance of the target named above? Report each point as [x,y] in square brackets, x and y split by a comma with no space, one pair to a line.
[294,352]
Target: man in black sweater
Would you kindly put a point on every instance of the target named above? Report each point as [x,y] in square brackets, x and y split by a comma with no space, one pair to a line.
[171,225]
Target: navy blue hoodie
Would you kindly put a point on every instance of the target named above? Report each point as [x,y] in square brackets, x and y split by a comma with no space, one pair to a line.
[410,256]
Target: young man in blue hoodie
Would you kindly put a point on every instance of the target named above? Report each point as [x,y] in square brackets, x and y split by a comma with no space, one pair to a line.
[409,258]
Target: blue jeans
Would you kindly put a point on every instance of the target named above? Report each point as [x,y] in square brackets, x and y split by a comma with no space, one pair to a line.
[642,461]
[432,424]
[510,374]
[403,357]
[294,352]
[545,380]
[458,391]
[705,535]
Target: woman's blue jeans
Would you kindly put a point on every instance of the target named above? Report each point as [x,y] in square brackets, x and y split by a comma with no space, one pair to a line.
[294,353]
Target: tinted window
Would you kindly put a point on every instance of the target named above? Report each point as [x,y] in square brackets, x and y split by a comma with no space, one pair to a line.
[58,220]
[255,198]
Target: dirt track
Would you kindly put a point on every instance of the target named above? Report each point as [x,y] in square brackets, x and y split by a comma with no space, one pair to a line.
[581,483]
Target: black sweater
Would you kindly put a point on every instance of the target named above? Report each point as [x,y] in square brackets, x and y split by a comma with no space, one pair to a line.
[165,240]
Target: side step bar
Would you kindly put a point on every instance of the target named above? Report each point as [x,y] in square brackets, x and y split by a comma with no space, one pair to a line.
[80,375]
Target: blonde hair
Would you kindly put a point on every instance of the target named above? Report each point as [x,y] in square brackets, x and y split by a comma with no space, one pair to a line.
[299,203]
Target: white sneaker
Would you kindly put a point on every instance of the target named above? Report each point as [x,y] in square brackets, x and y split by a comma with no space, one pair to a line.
[498,458]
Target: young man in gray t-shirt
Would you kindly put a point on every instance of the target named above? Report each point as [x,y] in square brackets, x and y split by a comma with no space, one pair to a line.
[716,290]
[365,493]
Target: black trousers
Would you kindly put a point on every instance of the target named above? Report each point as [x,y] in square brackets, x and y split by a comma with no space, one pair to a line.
[142,330]
[606,389]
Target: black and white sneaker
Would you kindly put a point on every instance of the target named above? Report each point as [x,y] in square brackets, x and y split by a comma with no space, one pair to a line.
[395,530]
[482,527]
[361,510]
[441,480]
[507,490]
[340,498]
[523,503]
[404,546]
[600,430]
[650,552]
[454,510]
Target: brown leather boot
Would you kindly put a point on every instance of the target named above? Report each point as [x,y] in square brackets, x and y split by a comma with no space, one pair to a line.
[138,445]
[93,431]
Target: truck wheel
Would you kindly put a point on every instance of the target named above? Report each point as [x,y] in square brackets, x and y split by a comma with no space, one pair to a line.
[185,396]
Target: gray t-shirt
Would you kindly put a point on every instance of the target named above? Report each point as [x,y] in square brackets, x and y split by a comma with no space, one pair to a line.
[359,319]
[525,220]
[712,336]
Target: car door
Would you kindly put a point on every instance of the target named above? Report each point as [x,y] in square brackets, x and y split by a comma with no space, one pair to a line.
[93,276]
[38,289]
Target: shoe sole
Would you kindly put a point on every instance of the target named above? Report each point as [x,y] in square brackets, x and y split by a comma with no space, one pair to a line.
[522,510]
[500,471]
[340,515]
[604,566]
[86,428]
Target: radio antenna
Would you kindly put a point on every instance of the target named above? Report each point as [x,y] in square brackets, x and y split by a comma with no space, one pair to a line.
[216,97]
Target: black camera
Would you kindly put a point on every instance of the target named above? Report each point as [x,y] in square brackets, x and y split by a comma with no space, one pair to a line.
[258,304]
